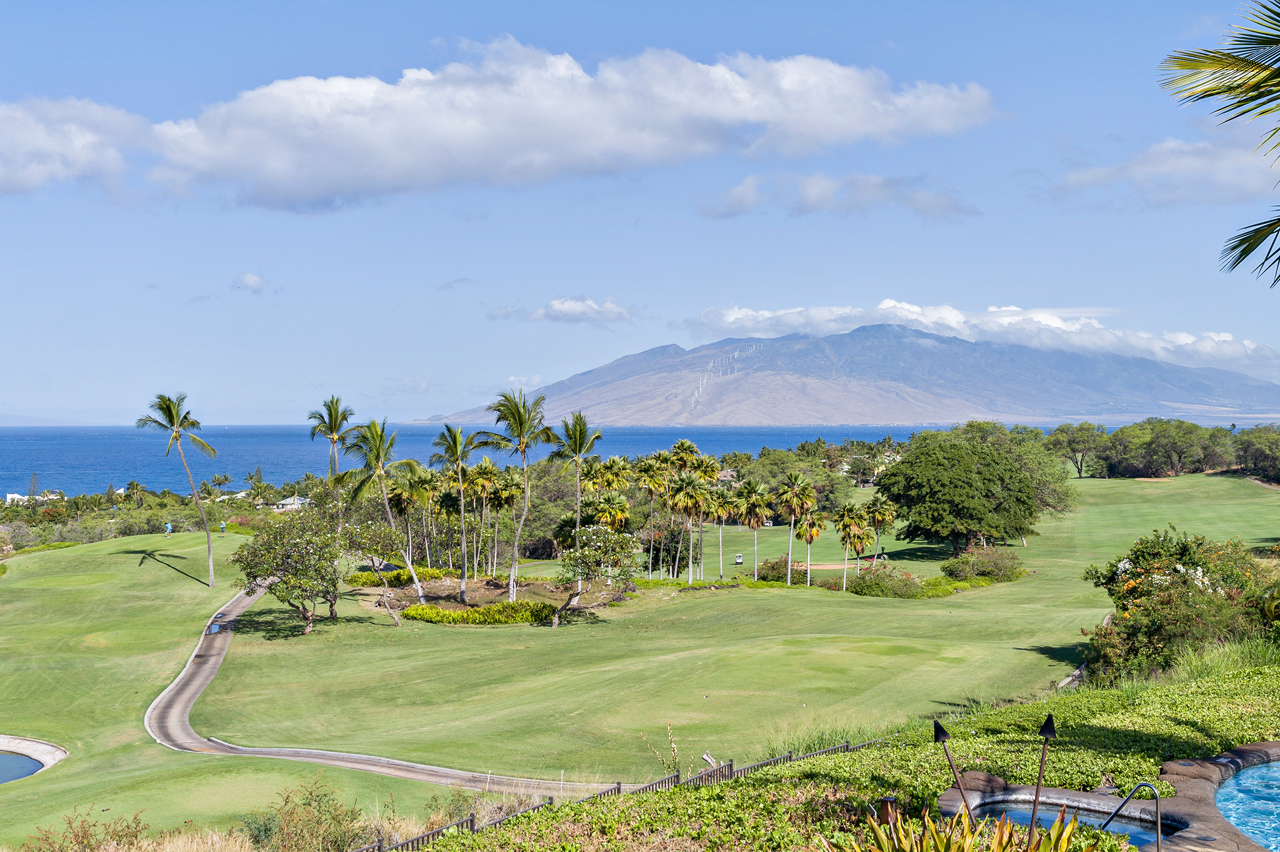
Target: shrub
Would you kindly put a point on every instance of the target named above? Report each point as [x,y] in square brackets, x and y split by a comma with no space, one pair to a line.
[310,817]
[1001,564]
[81,833]
[1172,591]
[775,570]
[883,581]
[399,577]
[504,612]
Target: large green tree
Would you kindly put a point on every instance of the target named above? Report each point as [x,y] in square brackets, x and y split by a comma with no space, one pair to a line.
[295,558]
[1243,76]
[169,414]
[954,492]
[1078,443]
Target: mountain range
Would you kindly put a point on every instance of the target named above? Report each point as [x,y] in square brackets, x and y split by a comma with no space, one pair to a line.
[893,375]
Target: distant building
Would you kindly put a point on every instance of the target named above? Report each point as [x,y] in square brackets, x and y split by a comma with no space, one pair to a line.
[290,504]
[10,499]
[726,475]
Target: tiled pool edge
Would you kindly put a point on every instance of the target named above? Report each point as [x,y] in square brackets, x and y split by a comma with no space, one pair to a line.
[1194,806]
[47,753]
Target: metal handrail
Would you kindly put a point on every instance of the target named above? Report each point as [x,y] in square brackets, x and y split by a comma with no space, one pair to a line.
[1159,822]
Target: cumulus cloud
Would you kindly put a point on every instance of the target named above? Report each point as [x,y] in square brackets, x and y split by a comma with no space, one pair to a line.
[1220,171]
[1072,329]
[818,192]
[250,282]
[520,115]
[578,309]
[44,141]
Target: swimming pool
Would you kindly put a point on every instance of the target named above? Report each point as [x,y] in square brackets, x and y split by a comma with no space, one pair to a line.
[15,766]
[1140,833]
[1250,800]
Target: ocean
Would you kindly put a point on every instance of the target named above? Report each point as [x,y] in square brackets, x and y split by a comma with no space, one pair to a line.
[85,459]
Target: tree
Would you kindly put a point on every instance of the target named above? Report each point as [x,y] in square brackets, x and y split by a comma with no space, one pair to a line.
[753,509]
[330,421]
[374,447]
[598,552]
[1078,443]
[377,544]
[169,415]
[455,450]
[524,428]
[794,497]
[651,476]
[1244,76]
[405,492]
[881,514]
[610,510]
[956,491]
[295,558]
[810,525]
[855,532]
[136,490]
[573,444]
[687,494]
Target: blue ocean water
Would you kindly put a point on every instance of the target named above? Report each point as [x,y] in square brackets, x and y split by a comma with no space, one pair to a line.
[85,459]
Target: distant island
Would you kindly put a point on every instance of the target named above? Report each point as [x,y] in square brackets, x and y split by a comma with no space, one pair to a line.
[891,375]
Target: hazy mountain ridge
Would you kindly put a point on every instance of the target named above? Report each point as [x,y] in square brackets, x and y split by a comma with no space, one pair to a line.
[889,374]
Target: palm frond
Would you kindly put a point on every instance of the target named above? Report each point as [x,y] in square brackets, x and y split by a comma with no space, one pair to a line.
[1252,239]
[200,445]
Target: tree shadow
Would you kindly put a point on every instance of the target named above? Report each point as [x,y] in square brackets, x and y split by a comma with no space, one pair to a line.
[275,624]
[154,556]
[579,616]
[920,553]
[1073,655]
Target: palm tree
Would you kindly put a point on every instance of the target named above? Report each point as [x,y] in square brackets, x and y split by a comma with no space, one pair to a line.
[650,476]
[753,502]
[135,490]
[1244,75]
[405,493]
[373,446]
[523,422]
[455,450]
[615,474]
[574,443]
[810,526]
[719,507]
[330,420]
[170,416]
[484,484]
[855,531]
[794,496]
[880,514]
[709,470]
[687,495]
[611,510]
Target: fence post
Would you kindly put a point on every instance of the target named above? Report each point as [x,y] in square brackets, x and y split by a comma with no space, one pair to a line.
[847,747]
[472,819]
[677,774]
[731,767]
[619,788]
[789,754]
[379,841]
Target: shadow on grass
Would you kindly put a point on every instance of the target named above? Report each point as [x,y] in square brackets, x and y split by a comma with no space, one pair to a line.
[155,556]
[1073,655]
[579,616]
[273,624]
[921,553]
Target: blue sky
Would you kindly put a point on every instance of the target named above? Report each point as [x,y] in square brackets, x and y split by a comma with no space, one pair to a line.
[262,206]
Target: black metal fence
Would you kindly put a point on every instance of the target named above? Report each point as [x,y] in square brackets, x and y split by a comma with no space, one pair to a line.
[713,775]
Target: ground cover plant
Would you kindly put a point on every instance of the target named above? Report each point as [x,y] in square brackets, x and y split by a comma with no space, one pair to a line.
[502,612]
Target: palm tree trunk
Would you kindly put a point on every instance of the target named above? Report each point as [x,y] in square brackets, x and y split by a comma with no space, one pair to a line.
[755,536]
[702,553]
[690,551]
[844,584]
[408,552]
[876,555]
[808,563]
[720,532]
[515,549]
[652,508]
[577,506]
[208,536]
[462,535]
[791,532]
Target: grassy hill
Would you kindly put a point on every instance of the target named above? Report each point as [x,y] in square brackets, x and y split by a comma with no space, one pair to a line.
[89,636]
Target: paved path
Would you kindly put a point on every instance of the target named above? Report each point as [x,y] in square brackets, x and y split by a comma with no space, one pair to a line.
[168,722]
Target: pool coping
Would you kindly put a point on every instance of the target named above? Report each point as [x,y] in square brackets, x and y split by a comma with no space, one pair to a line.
[47,753]
[1194,806]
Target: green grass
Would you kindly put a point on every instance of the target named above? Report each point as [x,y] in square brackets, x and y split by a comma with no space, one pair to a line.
[88,638]
[729,670]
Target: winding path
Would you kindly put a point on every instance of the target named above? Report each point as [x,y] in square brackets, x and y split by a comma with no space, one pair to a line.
[168,722]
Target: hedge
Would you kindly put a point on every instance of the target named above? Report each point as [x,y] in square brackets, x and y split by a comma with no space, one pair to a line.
[395,577]
[504,612]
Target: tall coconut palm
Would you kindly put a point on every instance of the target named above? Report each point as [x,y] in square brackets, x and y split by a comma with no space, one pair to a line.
[507,496]
[753,506]
[881,514]
[1244,77]
[170,415]
[406,493]
[330,421]
[651,477]
[484,485]
[708,469]
[809,526]
[719,507]
[855,531]
[428,484]
[524,428]
[455,451]
[615,474]
[573,444]
[374,447]
[794,496]
[688,492]
[611,510]
[136,491]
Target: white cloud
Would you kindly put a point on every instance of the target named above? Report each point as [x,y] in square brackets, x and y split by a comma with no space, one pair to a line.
[568,310]
[1224,170]
[1072,329]
[818,192]
[520,114]
[248,281]
[43,141]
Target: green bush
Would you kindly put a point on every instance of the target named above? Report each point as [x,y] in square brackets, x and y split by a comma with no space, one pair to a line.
[883,581]
[504,612]
[775,570]
[41,548]
[1000,564]
[310,817]
[398,577]
[1172,591]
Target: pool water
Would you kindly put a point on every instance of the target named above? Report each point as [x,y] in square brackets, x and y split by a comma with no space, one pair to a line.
[15,766]
[1251,801]
[1140,833]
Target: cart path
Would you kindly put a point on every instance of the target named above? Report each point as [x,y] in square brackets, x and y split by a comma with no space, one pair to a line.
[168,722]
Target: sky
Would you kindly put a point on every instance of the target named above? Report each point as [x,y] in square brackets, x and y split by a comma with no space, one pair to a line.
[417,205]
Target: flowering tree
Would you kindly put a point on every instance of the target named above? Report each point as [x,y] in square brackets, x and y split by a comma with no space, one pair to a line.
[295,559]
